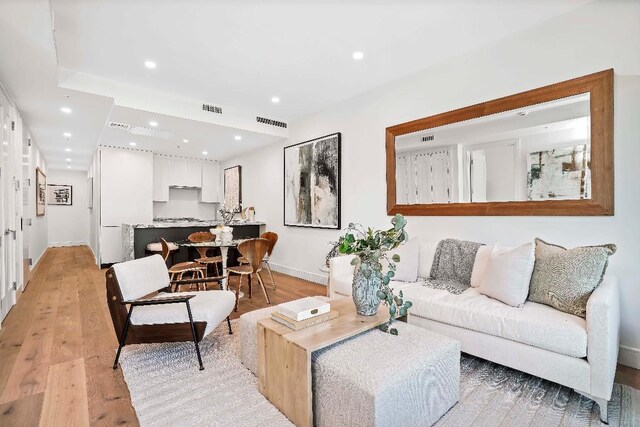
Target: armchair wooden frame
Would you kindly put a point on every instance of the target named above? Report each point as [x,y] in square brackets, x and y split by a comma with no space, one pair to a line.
[128,333]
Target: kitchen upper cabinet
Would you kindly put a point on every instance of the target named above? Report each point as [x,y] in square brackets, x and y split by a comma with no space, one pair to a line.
[161,170]
[209,193]
[184,173]
[193,175]
[126,179]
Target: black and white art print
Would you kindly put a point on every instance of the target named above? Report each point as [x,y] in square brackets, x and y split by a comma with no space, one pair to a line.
[59,195]
[312,183]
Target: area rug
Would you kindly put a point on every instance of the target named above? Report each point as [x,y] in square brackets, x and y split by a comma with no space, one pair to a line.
[167,389]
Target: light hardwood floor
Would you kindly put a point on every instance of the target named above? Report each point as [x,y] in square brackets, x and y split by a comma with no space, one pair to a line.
[57,346]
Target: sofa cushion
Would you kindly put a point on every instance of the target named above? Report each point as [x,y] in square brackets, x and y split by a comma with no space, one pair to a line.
[565,278]
[407,268]
[480,264]
[508,274]
[533,324]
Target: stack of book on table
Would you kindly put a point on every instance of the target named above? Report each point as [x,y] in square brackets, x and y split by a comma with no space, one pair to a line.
[303,313]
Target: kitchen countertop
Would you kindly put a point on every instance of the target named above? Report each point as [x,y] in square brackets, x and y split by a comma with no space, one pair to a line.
[212,223]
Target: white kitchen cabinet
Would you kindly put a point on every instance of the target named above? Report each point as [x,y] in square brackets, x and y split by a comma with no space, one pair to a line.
[127,187]
[161,168]
[111,245]
[209,193]
[193,174]
[177,172]
[184,173]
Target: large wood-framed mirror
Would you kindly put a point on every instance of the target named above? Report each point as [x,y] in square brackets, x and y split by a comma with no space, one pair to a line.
[547,151]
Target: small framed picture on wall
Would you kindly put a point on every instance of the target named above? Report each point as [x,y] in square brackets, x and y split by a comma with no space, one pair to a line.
[41,192]
[61,195]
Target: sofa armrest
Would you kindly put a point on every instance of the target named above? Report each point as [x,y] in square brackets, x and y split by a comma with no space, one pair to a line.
[603,329]
[339,268]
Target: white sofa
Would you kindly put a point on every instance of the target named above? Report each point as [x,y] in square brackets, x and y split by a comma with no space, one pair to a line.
[536,339]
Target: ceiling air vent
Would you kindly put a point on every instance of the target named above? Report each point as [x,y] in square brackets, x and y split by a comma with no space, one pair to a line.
[428,138]
[157,133]
[211,108]
[271,122]
[121,126]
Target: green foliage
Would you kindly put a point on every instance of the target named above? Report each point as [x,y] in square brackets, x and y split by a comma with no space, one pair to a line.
[370,248]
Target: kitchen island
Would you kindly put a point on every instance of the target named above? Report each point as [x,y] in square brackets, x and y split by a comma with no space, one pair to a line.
[136,237]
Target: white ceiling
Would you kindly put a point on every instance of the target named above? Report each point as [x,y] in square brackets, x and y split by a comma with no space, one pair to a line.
[231,53]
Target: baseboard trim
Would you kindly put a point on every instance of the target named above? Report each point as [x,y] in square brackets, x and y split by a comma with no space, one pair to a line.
[65,244]
[318,278]
[629,356]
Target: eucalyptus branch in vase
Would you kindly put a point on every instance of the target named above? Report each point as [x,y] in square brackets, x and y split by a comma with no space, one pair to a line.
[370,284]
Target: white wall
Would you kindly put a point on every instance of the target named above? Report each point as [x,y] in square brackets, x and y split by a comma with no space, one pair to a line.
[69,225]
[94,212]
[595,37]
[39,231]
[184,202]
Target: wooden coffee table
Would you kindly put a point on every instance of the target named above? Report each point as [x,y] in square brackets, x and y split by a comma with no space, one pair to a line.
[284,356]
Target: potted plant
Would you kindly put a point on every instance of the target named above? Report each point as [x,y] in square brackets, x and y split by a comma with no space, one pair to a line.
[370,281]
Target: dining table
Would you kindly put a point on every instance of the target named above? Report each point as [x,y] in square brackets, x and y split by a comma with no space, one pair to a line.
[224,251]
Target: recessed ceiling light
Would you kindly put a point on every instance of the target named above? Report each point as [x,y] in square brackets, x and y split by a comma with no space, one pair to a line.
[68,150]
[237,137]
[153,123]
[68,160]
[66,110]
[67,135]
[275,99]
[204,153]
[186,141]
[132,143]
[358,55]
[150,64]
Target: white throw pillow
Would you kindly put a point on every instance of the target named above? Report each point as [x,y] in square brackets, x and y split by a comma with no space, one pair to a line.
[480,264]
[407,268]
[508,274]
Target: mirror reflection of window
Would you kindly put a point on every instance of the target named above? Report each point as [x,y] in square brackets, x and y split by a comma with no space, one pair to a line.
[541,152]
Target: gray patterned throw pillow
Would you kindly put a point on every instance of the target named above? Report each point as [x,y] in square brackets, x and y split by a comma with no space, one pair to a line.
[565,278]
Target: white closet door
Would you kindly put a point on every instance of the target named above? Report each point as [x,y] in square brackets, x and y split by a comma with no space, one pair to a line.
[402,180]
[478,176]
[440,177]
[423,179]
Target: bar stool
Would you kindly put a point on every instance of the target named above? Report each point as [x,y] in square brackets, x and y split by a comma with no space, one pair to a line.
[156,248]
[177,271]
[205,236]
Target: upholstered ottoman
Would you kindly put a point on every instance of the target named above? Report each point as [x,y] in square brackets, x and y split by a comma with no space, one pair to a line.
[377,379]
[249,335]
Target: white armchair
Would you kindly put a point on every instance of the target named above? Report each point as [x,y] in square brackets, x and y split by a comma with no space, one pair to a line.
[155,316]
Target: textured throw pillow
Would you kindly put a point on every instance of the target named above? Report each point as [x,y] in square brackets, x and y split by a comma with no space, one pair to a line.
[565,278]
[508,273]
[407,268]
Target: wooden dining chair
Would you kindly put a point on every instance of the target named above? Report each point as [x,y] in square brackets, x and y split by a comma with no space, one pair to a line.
[253,250]
[273,239]
[177,271]
[205,236]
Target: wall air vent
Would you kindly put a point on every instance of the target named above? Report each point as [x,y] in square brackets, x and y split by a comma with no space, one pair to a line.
[428,138]
[121,126]
[271,122]
[212,108]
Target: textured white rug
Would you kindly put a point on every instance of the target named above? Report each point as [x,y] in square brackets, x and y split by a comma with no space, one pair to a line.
[167,389]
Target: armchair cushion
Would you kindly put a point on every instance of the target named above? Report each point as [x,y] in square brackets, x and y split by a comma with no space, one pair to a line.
[141,276]
[206,306]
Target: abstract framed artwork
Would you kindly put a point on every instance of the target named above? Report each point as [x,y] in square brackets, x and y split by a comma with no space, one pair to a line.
[41,192]
[560,173]
[312,183]
[232,187]
[60,195]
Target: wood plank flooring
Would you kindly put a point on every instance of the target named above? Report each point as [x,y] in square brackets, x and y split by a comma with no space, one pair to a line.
[57,345]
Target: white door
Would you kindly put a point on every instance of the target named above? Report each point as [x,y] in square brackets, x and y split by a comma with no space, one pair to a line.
[8,211]
[478,176]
